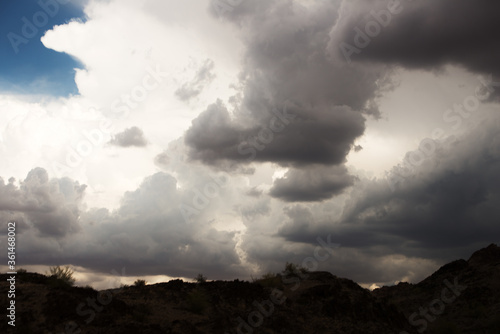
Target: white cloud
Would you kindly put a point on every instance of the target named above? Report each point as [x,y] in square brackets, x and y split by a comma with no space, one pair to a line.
[120,44]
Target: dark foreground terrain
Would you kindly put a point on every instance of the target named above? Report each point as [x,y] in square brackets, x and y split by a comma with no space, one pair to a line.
[461,297]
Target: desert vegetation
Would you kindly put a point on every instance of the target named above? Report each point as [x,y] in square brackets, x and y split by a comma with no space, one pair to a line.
[61,276]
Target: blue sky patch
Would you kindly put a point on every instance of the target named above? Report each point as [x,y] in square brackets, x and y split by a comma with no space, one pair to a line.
[26,65]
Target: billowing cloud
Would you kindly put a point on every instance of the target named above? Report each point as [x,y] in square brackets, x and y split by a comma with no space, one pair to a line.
[297,106]
[148,234]
[442,210]
[50,206]
[421,34]
[312,184]
[444,207]
[452,194]
[292,136]
[131,137]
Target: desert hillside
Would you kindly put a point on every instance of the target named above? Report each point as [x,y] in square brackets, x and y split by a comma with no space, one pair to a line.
[461,297]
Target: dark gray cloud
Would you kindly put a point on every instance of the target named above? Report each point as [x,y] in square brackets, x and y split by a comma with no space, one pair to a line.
[423,34]
[443,210]
[287,71]
[147,234]
[446,208]
[203,77]
[315,183]
[51,206]
[131,137]
[293,136]
[299,220]
[298,106]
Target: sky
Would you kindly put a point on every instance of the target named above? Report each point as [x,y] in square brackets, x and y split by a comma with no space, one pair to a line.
[28,67]
[162,139]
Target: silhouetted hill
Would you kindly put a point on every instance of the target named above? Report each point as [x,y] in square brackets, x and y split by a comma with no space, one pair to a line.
[461,297]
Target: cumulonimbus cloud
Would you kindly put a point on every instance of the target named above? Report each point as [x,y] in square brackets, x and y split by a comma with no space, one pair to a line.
[298,107]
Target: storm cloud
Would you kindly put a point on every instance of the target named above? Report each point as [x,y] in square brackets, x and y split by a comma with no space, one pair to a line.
[446,205]
[148,224]
[297,106]
[312,184]
[51,206]
[421,34]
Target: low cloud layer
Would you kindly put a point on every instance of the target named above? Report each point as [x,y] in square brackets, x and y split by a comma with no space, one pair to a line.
[444,209]
[147,234]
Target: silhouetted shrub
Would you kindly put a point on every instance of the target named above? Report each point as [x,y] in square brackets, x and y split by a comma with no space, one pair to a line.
[61,276]
[200,278]
[140,282]
[292,269]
